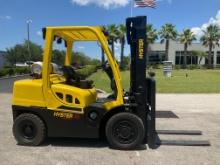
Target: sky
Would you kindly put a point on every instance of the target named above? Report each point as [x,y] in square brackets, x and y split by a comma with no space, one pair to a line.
[193,14]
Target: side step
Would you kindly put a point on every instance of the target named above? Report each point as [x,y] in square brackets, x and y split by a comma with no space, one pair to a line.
[180,132]
[183,143]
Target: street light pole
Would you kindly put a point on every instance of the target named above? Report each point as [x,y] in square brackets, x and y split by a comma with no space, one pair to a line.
[29,21]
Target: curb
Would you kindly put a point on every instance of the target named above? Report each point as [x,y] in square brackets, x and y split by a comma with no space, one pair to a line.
[23,75]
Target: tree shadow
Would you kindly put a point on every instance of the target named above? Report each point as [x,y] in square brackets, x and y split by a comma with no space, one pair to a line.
[75,142]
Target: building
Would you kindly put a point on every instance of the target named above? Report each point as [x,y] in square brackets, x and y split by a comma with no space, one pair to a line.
[176,53]
[2,59]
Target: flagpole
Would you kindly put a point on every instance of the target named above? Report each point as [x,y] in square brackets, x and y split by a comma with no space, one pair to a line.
[132,8]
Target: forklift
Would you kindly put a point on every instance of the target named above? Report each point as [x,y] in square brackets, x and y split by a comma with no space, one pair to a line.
[66,105]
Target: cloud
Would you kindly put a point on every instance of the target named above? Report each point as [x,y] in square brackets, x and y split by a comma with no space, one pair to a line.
[198,31]
[117,46]
[169,1]
[107,4]
[117,56]
[81,47]
[7,17]
[118,51]
[39,33]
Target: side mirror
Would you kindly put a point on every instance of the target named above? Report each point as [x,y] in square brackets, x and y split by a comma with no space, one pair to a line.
[105,32]
[59,41]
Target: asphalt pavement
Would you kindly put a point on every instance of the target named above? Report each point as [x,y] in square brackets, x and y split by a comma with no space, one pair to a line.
[194,111]
[6,84]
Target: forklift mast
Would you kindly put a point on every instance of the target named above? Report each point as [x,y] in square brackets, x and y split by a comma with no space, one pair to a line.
[142,88]
[136,36]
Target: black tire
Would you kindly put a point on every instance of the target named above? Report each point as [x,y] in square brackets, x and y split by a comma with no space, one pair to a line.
[29,129]
[125,131]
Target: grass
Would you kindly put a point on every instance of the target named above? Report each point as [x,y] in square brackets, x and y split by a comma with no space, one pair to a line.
[198,81]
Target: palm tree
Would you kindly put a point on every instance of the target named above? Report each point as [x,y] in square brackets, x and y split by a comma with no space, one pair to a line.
[113,35]
[151,36]
[186,38]
[121,37]
[104,28]
[167,33]
[210,39]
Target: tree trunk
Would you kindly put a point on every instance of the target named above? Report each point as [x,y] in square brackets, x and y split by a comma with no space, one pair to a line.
[122,55]
[185,56]
[167,50]
[147,57]
[210,57]
[200,59]
[15,60]
[103,56]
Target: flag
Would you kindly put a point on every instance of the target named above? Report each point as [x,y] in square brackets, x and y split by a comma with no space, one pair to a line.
[145,3]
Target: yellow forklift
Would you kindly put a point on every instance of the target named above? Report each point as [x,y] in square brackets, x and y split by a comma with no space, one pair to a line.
[66,105]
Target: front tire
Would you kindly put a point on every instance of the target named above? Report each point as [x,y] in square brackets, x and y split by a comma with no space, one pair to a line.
[29,129]
[125,131]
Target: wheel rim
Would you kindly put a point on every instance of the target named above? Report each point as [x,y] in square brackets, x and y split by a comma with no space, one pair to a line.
[125,132]
[27,130]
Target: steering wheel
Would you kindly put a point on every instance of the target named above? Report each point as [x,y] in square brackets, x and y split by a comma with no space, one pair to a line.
[70,74]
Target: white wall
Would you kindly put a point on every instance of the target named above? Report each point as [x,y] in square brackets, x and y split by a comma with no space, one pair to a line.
[174,46]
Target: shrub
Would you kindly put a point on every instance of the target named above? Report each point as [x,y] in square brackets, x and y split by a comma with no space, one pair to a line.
[2,73]
[177,67]
[7,66]
[217,66]
[6,71]
[155,66]
[191,67]
[18,70]
[22,70]
[11,71]
[87,70]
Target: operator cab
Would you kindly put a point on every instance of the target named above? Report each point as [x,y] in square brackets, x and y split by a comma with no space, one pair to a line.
[65,87]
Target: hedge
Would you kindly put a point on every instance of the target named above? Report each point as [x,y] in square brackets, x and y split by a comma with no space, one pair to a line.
[84,72]
[14,71]
[87,70]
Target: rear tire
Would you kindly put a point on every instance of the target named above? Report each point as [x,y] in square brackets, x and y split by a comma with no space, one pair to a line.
[29,129]
[125,131]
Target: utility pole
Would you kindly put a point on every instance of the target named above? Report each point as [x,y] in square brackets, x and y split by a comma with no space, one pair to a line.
[29,21]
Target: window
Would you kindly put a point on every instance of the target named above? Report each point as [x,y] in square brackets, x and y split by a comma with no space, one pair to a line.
[179,58]
[190,60]
[218,58]
[156,57]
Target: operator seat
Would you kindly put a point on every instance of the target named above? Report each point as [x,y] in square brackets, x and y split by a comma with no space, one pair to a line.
[72,78]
